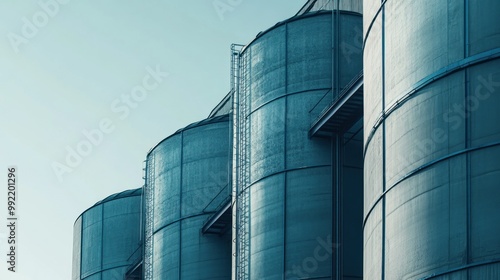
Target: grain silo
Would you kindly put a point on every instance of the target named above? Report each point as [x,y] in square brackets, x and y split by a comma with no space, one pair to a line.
[284,179]
[432,139]
[107,237]
[187,177]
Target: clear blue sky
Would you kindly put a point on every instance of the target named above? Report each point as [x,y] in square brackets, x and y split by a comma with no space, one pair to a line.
[70,68]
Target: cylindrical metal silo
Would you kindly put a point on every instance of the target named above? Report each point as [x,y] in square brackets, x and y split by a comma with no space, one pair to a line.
[283,179]
[432,139]
[187,177]
[107,237]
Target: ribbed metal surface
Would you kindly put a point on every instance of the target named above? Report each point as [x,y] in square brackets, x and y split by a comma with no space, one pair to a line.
[285,71]
[432,139]
[106,237]
[184,174]
[328,5]
[77,247]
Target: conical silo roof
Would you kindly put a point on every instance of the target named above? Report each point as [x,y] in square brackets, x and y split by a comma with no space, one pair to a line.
[329,5]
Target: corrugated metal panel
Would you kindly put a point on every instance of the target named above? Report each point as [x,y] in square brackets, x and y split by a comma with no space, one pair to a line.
[290,176]
[185,172]
[77,253]
[320,5]
[106,236]
[431,142]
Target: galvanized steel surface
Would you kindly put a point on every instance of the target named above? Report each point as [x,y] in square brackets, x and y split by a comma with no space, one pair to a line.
[106,237]
[328,5]
[432,139]
[184,174]
[286,70]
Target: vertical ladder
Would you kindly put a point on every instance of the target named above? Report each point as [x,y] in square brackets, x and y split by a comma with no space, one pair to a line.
[243,193]
[233,85]
[241,167]
[235,64]
[148,225]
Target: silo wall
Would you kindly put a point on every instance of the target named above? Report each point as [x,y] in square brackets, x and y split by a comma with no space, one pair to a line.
[186,179]
[432,139]
[284,72]
[106,236]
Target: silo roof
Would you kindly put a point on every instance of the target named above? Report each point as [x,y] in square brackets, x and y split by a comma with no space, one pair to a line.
[330,5]
[123,194]
[223,118]
[313,8]
[315,5]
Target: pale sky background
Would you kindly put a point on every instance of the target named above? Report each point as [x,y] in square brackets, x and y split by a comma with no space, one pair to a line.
[64,79]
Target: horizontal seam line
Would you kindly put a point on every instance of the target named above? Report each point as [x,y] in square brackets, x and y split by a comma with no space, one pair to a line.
[281,172]
[436,76]
[180,220]
[421,168]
